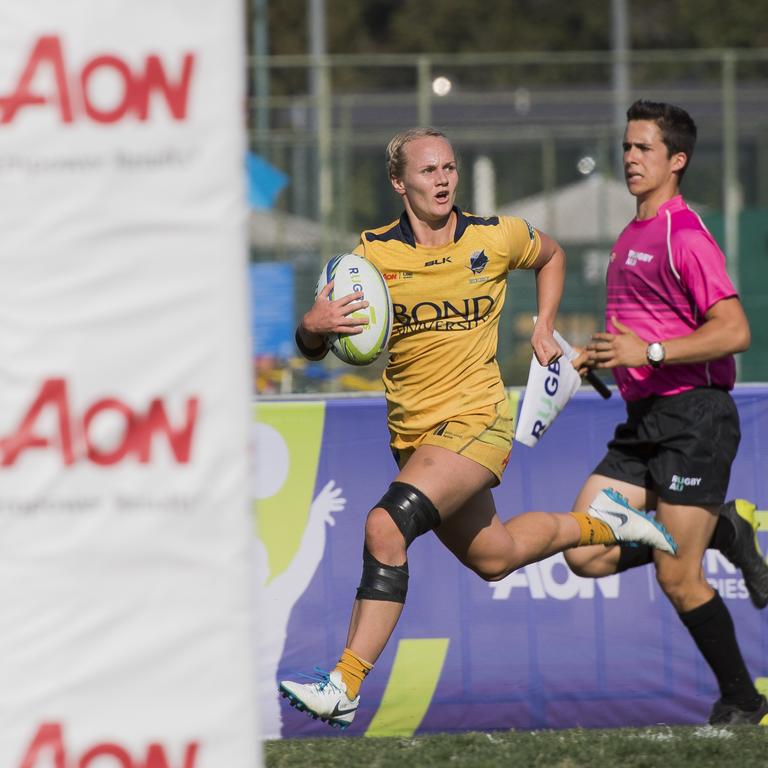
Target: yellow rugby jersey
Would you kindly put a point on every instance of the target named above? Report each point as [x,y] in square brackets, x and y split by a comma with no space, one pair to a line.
[447,303]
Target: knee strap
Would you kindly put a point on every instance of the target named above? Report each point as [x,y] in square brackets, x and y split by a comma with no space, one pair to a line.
[413,513]
[382,582]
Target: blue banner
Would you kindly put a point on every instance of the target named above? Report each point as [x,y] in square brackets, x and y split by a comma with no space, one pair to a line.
[541,649]
[272,309]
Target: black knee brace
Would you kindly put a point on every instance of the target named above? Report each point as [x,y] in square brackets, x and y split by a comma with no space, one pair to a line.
[382,582]
[413,513]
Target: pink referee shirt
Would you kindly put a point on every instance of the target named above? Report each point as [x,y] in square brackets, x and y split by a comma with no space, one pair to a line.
[663,276]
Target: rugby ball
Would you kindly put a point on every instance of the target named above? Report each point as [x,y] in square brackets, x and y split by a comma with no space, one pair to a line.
[350,274]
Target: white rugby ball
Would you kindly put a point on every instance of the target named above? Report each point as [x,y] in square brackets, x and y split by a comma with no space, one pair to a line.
[350,274]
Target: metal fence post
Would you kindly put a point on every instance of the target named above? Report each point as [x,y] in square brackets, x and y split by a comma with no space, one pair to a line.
[424,85]
[324,157]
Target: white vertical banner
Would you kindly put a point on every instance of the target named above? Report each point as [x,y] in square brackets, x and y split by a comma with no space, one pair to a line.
[124,387]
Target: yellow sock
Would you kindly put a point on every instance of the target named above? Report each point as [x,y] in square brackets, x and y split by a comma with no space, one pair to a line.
[353,671]
[593,531]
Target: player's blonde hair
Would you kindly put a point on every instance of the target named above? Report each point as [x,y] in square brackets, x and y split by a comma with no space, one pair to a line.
[396,148]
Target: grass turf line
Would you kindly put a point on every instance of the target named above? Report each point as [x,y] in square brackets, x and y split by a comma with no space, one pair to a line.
[656,747]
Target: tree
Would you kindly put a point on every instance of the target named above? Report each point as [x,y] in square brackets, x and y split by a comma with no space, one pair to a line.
[448,26]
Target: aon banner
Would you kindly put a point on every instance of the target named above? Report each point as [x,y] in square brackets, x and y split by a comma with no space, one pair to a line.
[124,363]
[548,648]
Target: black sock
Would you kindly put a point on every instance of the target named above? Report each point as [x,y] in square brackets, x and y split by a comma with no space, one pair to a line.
[711,627]
[723,535]
[634,556]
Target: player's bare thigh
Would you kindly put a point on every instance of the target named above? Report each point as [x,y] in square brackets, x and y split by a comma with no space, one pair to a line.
[460,488]
[448,479]
[478,538]
[600,560]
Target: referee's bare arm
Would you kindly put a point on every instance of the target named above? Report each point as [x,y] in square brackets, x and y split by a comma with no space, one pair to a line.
[725,331]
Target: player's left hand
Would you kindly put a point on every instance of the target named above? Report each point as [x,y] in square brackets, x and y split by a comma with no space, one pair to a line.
[609,350]
[546,349]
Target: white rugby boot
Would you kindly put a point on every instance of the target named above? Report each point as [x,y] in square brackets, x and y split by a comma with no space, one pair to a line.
[628,524]
[325,699]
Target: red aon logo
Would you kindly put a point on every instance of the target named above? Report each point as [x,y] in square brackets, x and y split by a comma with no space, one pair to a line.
[47,748]
[72,95]
[73,435]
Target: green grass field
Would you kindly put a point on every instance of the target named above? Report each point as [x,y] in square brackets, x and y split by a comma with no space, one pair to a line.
[657,747]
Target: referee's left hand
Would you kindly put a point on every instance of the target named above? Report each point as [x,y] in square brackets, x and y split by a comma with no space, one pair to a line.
[625,348]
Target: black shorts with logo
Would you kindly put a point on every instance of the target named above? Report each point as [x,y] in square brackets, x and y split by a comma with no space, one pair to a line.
[680,446]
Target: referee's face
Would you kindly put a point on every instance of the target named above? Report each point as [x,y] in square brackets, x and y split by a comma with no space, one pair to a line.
[430,177]
[649,168]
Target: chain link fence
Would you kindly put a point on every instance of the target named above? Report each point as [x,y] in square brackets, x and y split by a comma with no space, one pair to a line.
[537,136]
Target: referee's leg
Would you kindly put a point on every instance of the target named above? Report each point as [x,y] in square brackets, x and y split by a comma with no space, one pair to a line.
[704,613]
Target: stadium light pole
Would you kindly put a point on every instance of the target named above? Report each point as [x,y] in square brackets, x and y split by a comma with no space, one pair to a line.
[619,76]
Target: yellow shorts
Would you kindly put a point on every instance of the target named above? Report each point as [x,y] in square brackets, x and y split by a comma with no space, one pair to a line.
[484,435]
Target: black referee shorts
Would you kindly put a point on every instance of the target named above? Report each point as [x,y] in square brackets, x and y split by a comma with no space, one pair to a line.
[681,446]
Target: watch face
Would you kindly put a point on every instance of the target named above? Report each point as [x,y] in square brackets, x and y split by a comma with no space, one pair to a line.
[655,352]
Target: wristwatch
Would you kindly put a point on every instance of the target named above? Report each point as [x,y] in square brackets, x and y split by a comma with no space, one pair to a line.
[654,353]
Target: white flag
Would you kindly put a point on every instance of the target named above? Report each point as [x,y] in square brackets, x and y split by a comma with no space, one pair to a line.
[547,392]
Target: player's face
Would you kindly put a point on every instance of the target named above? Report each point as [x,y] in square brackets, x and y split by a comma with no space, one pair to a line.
[648,166]
[428,184]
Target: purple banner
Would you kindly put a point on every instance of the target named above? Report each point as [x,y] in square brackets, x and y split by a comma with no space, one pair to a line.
[541,649]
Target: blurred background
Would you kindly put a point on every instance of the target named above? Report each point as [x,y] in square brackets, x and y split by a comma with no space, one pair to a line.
[533,95]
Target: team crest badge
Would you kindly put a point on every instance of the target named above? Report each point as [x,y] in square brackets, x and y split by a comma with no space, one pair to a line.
[477,262]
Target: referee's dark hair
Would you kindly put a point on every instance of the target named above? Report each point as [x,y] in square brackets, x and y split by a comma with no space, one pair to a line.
[678,131]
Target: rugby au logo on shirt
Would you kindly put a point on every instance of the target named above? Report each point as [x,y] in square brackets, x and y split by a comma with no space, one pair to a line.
[634,256]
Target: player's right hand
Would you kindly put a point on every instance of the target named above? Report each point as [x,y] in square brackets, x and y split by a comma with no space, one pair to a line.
[335,316]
